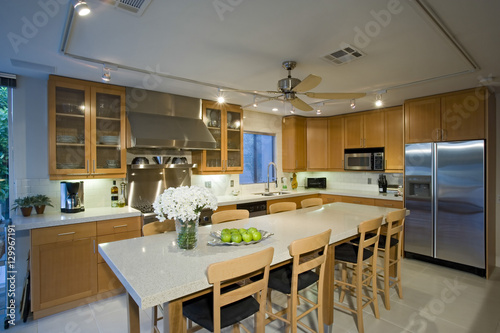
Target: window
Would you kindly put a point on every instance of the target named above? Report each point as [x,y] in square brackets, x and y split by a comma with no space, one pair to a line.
[4,153]
[258,151]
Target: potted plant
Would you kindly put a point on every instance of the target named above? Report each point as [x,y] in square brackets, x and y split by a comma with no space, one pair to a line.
[25,204]
[40,201]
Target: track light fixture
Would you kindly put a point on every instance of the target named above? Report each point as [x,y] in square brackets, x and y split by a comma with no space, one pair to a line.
[318,111]
[353,104]
[106,74]
[82,8]
[275,109]
[378,98]
[254,101]
[220,98]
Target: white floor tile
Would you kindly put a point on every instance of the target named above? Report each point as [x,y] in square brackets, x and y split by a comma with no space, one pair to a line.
[80,319]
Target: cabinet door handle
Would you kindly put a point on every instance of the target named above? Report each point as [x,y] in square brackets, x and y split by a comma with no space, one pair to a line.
[120,226]
[443,136]
[78,174]
[93,244]
[93,163]
[88,170]
[388,205]
[364,142]
[67,233]
[356,201]
[361,142]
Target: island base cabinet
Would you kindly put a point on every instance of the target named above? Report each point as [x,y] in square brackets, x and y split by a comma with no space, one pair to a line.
[106,279]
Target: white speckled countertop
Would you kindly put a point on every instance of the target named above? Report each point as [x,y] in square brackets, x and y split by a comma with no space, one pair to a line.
[245,198]
[55,219]
[154,270]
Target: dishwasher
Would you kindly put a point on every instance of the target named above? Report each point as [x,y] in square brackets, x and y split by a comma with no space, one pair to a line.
[254,208]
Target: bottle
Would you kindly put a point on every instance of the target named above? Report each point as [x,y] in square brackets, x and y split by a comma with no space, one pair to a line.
[114,195]
[380,184]
[121,198]
[284,186]
[294,181]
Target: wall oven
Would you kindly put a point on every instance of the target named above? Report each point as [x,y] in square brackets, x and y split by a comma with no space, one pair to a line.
[364,160]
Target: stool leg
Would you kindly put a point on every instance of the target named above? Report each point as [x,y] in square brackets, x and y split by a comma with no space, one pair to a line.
[359,298]
[343,268]
[386,281]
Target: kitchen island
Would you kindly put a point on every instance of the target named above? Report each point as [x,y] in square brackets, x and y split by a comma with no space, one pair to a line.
[154,271]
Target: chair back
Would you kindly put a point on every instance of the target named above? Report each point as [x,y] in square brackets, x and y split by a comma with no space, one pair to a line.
[311,202]
[307,245]
[369,235]
[230,215]
[154,228]
[282,207]
[394,227]
[231,271]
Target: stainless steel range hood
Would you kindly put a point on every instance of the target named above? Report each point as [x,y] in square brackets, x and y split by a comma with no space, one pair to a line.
[163,121]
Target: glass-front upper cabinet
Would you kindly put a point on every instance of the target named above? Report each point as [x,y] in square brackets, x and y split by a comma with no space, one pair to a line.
[86,129]
[225,123]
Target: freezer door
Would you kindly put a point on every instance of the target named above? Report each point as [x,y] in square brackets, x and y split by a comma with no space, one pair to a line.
[460,215]
[419,228]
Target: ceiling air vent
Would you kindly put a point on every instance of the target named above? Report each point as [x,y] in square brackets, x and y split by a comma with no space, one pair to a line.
[136,7]
[343,56]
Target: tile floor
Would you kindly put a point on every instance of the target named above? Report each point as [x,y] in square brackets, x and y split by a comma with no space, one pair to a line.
[436,299]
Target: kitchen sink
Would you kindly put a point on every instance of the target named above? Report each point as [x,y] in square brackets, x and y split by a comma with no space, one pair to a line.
[270,194]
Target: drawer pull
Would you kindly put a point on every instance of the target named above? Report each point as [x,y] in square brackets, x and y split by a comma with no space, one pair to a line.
[356,201]
[120,226]
[67,233]
[388,205]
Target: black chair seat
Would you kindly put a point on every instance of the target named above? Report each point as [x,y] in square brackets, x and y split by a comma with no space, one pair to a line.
[200,310]
[381,241]
[280,279]
[348,252]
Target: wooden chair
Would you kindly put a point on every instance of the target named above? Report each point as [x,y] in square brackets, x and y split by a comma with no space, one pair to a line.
[390,240]
[282,207]
[311,202]
[290,279]
[228,305]
[149,229]
[363,276]
[154,228]
[230,215]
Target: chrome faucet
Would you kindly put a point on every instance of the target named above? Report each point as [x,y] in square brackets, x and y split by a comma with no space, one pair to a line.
[276,170]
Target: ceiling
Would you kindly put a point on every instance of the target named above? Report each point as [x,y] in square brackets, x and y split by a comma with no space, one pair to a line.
[191,47]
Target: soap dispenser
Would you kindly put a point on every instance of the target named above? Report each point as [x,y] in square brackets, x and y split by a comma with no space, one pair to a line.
[295,184]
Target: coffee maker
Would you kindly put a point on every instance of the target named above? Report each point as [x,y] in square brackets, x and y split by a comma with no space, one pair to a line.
[72,197]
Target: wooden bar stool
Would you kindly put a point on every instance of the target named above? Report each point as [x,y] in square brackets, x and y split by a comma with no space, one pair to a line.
[364,265]
[228,305]
[230,215]
[389,246]
[282,207]
[292,278]
[311,202]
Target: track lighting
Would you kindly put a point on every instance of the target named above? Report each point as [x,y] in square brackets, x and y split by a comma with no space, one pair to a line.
[275,109]
[82,8]
[292,110]
[378,98]
[353,104]
[220,98]
[106,74]
[318,111]
[254,101]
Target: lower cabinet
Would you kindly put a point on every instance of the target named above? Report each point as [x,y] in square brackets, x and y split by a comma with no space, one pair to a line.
[389,203]
[297,200]
[66,269]
[330,198]
[358,200]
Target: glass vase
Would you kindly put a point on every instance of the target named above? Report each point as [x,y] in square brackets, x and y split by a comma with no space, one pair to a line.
[187,234]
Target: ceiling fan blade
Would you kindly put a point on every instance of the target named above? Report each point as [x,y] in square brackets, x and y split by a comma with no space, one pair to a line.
[335,95]
[252,91]
[310,82]
[300,104]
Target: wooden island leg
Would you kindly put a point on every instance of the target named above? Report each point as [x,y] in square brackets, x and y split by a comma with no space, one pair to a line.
[173,321]
[134,325]
[328,289]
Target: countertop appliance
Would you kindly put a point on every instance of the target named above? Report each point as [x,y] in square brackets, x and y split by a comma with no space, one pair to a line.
[316,182]
[72,197]
[254,208]
[445,192]
[370,159]
[146,181]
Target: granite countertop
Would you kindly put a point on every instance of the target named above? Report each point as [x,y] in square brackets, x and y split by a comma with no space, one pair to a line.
[246,198]
[57,218]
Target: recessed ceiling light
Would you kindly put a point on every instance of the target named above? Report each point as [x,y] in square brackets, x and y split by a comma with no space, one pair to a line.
[275,109]
[82,8]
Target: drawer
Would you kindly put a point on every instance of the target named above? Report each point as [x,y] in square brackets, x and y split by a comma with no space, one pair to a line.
[116,226]
[389,203]
[116,237]
[357,200]
[62,233]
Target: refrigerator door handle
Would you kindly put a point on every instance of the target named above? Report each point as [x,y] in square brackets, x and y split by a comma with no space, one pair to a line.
[434,192]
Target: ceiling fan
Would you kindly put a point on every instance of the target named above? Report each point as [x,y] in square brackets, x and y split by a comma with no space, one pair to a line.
[290,87]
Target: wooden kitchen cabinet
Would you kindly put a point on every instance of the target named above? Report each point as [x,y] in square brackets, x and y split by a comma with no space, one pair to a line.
[86,129]
[330,198]
[358,200]
[63,265]
[447,117]
[294,152]
[388,203]
[364,130]
[297,200]
[225,123]
[336,143]
[394,140]
[317,144]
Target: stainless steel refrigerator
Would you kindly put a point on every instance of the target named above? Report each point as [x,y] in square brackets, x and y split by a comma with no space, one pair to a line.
[445,193]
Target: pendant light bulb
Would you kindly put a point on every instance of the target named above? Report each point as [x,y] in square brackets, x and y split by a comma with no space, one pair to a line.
[82,8]
[378,100]
[353,104]
[220,98]
[292,110]
[254,101]
[106,74]
[318,111]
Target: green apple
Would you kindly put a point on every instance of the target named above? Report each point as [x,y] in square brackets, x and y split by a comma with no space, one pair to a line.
[226,237]
[234,230]
[256,236]
[247,237]
[236,238]
[225,230]
[252,230]
[242,230]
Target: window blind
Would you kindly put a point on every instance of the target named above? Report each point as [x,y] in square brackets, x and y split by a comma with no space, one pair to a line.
[7,80]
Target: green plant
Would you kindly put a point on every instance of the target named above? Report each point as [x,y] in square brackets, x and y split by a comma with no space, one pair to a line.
[42,200]
[23,202]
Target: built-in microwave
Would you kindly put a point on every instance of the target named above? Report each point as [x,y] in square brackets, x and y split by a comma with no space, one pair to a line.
[364,159]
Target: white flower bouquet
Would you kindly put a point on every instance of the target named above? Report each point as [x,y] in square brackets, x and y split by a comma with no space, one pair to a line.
[184,204]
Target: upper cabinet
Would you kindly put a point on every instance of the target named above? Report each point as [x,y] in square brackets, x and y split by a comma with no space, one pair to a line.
[364,130]
[294,143]
[86,129]
[225,123]
[394,144]
[317,143]
[336,143]
[449,117]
